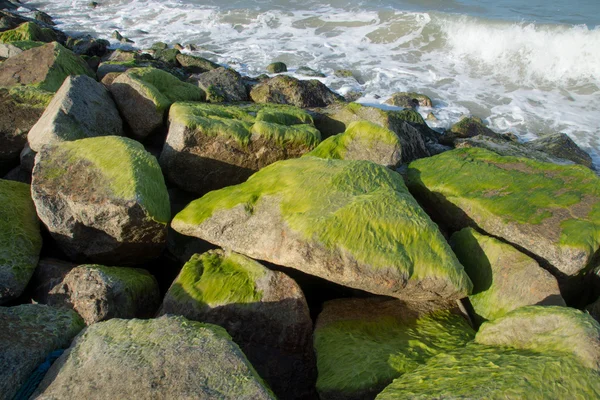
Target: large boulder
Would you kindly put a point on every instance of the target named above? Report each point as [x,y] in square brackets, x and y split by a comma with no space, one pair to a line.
[144,95]
[553,211]
[211,146]
[28,32]
[167,357]
[28,334]
[81,108]
[561,146]
[20,239]
[362,345]
[362,140]
[351,222]
[48,278]
[469,127]
[103,199]
[222,85]
[195,64]
[283,89]
[265,313]
[503,278]
[8,50]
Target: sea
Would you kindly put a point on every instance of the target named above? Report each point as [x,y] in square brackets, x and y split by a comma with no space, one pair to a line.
[527,67]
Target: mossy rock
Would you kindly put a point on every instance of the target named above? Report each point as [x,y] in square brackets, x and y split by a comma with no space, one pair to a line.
[283,89]
[20,239]
[343,73]
[561,146]
[28,31]
[167,357]
[113,206]
[350,222]
[222,85]
[362,140]
[167,55]
[362,345]
[196,64]
[276,68]
[8,50]
[306,71]
[409,100]
[469,127]
[594,309]
[159,46]
[553,211]
[212,146]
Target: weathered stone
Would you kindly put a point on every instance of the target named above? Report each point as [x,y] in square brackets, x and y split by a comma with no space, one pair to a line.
[362,345]
[80,109]
[469,127]
[159,46]
[306,71]
[48,277]
[409,100]
[196,64]
[103,199]
[222,85]
[209,146]
[8,50]
[561,146]
[168,357]
[276,67]
[343,73]
[28,334]
[265,312]
[351,222]
[594,309]
[283,89]
[88,45]
[43,17]
[168,56]
[28,31]
[10,20]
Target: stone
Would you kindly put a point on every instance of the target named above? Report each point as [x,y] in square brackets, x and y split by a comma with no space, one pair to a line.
[196,64]
[552,211]
[81,108]
[159,46]
[265,313]
[362,140]
[283,89]
[88,45]
[211,146]
[561,146]
[409,100]
[48,278]
[350,222]
[28,31]
[306,71]
[468,127]
[10,20]
[343,73]
[222,85]
[43,17]
[594,309]
[8,50]
[103,200]
[167,357]
[362,345]
[28,334]
[503,278]
[276,68]
[144,95]
[168,56]
[20,239]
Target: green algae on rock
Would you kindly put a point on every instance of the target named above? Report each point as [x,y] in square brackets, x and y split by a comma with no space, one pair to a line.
[283,89]
[276,67]
[553,211]
[28,32]
[167,357]
[503,278]
[20,239]
[562,146]
[351,222]
[409,100]
[362,345]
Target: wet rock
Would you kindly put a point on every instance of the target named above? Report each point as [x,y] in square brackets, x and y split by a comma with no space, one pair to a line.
[88,45]
[283,89]
[469,127]
[28,32]
[276,67]
[222,85]
[306,71]
[561,146]
[43,17]
[195,64]
[48,278]
[409,100]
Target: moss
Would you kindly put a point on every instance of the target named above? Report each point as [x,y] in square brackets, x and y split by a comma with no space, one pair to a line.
[28,31]
[284,115]
[284,136]
[30,96]
[65,63]
[26,44]
[469,127]
[134,280]
[410,116]
[354,206]
[357,356]
[167,55]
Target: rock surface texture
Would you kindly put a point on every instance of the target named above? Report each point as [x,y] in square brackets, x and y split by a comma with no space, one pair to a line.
[283,89]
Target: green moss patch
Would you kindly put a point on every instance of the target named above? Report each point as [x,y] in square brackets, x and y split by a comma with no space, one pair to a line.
[65,63]
[30,96]
[26,44]
[28,31]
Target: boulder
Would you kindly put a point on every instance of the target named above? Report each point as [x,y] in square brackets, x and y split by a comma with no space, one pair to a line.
[168,357]
[43,17]
[276,68]
[10,20]
[168,56]
[20,239]
[28,334]
[8,50]
[210,146]
[409,100]
[561,146]
[222,85]
[81,108]
[350,222]
[88,45]
[103,199]
[265,313]
[362,345]
[283,89]
[503,278]
[48,278]
[468,127]
[552,211]
[196,64]
[362,140]
[28,31]
[306,71]
[144,95]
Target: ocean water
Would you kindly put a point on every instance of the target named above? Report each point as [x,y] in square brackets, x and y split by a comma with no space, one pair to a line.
[524,67]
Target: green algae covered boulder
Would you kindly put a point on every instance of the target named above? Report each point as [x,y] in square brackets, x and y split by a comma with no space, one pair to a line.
[20,239]
[264,311]
[144,95]
[212,146]
[350,222]
[283,89]
[28,334]
[103,199]
[409,100]
[276,67]
[167,357]
[28,31]
[362,140]
[561,146]
[362,345]
[503,278]
[468,127]
[553,211]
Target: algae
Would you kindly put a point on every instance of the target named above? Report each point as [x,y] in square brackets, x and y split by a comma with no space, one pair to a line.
[28,32]
[30,96]
[65,63]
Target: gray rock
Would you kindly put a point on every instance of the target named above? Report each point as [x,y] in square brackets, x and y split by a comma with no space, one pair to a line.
[409,100]
[27,157]
[283,89]
[469,127]
[561,146]
[306,71]
[222,85]
[88,45]
[8,50]
[276,67]
[48,277]
[196,64]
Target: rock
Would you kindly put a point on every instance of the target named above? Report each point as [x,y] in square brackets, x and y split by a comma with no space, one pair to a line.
[350,222]
[47,278]
[93,4]
[196,64]
[306,71]
[80,109]
[20,239]
[28,31]
[103,199]
[159,46]
[549,210]
[144,95]
[222,85]
[46,67]
[468,127]
[168,56]
[123,56]
[8,50]
[343,73]
[116,35]
[178,46]
[18,174]
[503,278]
[594,309]
[88,45]
[29,333]
[8,5]
[209,146]
[9,20]
[561,146]
[98,293]
[109,78]
[362,140]
[265,312]
[27,157]
[43,17]
[409,100]
[362,345]
[276,67]
[168,357]
[283,89]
